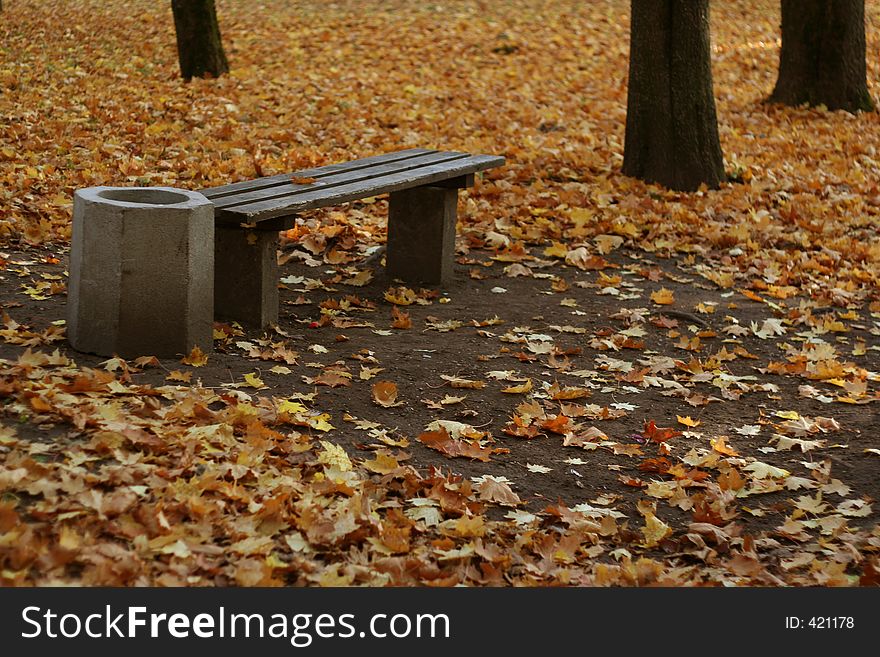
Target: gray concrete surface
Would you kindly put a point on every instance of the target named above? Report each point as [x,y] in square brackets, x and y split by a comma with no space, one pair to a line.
[141,272]
[421,234]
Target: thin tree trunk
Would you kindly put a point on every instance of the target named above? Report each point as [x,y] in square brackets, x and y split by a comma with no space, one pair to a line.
[199,46]
[671,126]
[822,61]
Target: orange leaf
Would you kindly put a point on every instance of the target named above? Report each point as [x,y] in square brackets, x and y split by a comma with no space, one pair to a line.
[659,434]
[443,442]
[720,445]
[687,421]
[556,424]
[196,358]
[663,297]
[385,394]
[400,319]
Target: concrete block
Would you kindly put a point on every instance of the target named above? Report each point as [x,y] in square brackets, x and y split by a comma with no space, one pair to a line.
[246,278]
[141,272]
[421,234]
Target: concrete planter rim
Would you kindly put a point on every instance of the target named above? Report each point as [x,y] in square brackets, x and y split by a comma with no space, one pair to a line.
[143,197]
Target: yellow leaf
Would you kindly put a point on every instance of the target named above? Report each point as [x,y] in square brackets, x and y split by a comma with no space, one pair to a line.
[196,358]
[655,530]
[319,422]
[382,464]
[334,456]
[687,421]
[761,470]
[181,377]
[400,296]
[254,381]
[520,389]
[720,445]
[291,408]
[663,297]
[557,250]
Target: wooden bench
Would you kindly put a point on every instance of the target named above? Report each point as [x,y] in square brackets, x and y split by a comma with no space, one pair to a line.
[423,186]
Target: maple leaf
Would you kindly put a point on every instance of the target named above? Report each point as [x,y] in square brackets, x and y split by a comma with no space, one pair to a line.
[587,439]
[181,377]
[458,382]
[442,442]
[784,442]
[334,456]
[762,470]
[556,250]
[720,445]
[401,296]
[383,464]
[494,490]
[520,389]
[400,319]
[687,421]
[331,378]
[196,358]
[658,434]
[663,297]
[385,394]
[359,278]
[566,394]
[813,505]
[655,530]
[557,424]
[607,243]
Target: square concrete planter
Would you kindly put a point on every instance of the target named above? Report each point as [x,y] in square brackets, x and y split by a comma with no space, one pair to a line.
[141,272]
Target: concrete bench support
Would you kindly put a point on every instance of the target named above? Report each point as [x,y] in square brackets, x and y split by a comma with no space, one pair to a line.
[246,279]
[141,272]
[421,234]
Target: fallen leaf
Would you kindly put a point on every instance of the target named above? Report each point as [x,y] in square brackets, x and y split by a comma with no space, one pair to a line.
[196,358]
[385,394]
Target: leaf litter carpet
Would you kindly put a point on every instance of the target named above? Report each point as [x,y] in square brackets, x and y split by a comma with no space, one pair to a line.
[622,386]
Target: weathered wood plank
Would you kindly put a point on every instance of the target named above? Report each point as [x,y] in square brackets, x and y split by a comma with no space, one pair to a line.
[324,197]
[285,191]
[317,172]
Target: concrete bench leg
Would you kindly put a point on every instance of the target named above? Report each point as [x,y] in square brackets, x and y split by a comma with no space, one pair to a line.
[421,234]
[246,276]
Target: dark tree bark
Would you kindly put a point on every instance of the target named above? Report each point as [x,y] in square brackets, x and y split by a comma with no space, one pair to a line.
[199,47]
[822,61]
[671,127]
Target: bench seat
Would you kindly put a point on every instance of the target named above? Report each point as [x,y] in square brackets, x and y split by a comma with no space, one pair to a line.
[423,186]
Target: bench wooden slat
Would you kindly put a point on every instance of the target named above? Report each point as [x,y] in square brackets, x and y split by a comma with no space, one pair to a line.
[318,172]
[319,197]
[286,191]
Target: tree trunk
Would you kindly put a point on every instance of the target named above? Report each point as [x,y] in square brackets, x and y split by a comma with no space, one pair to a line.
[671,127]
[199,47]
[822,61]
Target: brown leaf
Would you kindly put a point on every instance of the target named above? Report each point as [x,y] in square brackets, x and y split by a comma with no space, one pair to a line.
[385,394]
[443,442]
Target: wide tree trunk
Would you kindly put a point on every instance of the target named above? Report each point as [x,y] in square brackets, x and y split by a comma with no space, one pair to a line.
[822,61]
[199,47]
[671,127]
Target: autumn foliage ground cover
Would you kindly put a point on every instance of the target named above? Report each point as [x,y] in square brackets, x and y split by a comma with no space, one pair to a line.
[624,385]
